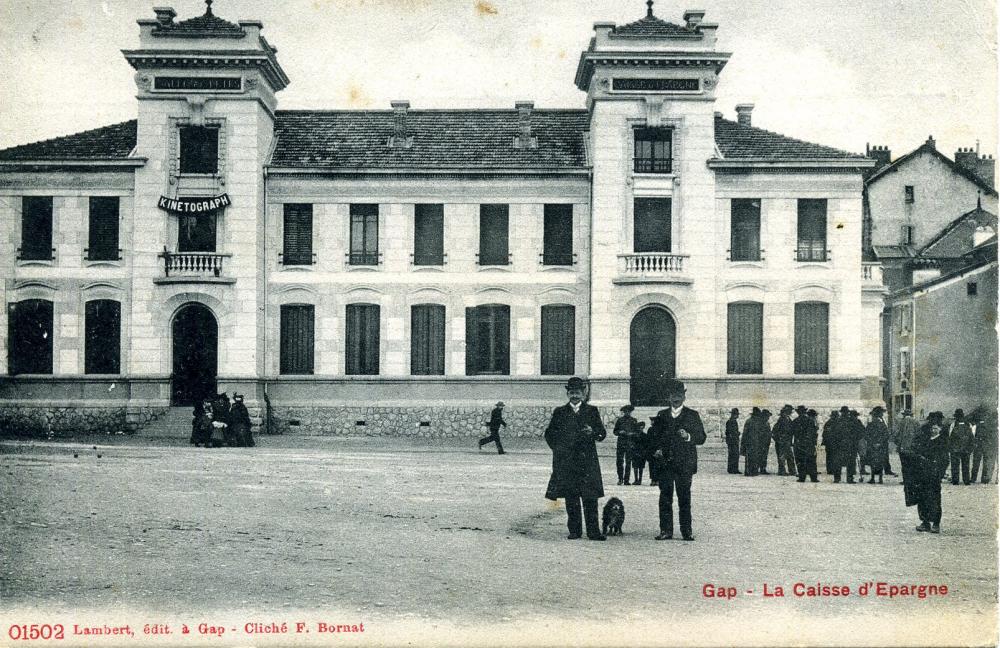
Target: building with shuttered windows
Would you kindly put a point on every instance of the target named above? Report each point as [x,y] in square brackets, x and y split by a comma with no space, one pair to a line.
[399,270]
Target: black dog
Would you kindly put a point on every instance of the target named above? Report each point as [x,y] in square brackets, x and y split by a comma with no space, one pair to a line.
[613,517]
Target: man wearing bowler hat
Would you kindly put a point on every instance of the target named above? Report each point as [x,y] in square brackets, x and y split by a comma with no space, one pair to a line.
[572,435]
[674,438]
[496,421]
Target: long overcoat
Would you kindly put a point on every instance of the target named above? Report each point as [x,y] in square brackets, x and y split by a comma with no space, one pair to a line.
[841,442]
[876,443]
[804,434]
[758,437]
[782,433]
[576,471]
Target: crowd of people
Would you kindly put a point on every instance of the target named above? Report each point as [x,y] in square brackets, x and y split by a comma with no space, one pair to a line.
[218,422]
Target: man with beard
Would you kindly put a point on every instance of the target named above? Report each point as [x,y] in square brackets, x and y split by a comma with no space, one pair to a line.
[675,438]
[782,434]
[576,471]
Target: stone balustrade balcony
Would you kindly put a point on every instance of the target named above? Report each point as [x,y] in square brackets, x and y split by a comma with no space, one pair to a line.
[193,267]
[652,267]
[871,276]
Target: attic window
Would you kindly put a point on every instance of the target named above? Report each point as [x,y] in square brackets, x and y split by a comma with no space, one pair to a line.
[908,194]
[972,289]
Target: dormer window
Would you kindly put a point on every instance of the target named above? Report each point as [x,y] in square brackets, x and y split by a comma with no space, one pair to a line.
[199,149]
[653,150]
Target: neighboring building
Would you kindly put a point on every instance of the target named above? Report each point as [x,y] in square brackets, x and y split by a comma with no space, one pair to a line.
[943,338]
[396,271]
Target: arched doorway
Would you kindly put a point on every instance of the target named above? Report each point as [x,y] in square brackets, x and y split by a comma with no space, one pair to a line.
[195,355]
[652,353]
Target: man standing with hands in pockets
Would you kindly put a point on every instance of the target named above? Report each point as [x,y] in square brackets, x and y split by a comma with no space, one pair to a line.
[675,435]
[576,472]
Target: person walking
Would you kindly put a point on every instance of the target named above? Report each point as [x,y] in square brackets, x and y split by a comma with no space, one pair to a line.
[624,430]
[675,437]
[572,435]
[495,423]
[960,443]
[782,434]
[985,446]
[733,442]
[804,433]
[931,452]
[876,444]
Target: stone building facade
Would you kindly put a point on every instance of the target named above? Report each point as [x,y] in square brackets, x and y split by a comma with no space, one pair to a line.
[398,271]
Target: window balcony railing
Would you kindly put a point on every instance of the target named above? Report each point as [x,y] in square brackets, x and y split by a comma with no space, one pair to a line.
[812,253]
[193,264]
[557,259]
[652,267]
[432,260]
[296,259]
[36,254]
[745,255]
[494,259]
[653,165]
[364,258]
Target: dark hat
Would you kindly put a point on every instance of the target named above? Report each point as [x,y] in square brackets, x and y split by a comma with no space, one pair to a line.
[906,412]
[878,409]
[935,416]
[766,413]
[575,383]
[855,413]
[500,404]
[787,408]
[756,410]
[627,408]
[801,409]
[959,413]
[845,410]
[734,411]
[675,387]
[812,412]
[238,397]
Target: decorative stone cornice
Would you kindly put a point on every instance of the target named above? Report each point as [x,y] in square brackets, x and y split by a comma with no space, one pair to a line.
[240,59]
[589,61]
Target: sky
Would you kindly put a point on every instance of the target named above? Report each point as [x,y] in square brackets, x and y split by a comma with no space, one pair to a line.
[838,72]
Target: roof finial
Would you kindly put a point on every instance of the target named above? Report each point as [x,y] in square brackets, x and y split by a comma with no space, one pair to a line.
[208,7]
[649,10]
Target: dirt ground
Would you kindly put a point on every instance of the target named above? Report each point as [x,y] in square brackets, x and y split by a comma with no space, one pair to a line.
[439,544]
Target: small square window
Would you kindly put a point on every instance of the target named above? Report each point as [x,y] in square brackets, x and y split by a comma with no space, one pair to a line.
[908,194]
[972,288]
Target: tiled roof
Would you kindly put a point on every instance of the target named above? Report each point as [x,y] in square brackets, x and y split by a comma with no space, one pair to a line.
[931,149]
[107,143]
[736,141]
[894,251]
[206,23]
[942,245]
[651,26]
[461,139]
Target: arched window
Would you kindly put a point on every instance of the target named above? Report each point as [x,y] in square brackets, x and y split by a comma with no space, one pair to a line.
[427,340]
[29,337]
[745,338]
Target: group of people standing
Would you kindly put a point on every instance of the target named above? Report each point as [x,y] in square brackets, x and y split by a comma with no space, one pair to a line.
[217,422]
[794,442]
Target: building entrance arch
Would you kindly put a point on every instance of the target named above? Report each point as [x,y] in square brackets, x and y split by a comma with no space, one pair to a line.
[195,337]
[652,355]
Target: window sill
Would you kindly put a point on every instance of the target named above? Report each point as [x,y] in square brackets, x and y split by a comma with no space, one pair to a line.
[827,265]
[361,268]
[746,264]
[102,263]
[36,262]
[427,268]
[290,267]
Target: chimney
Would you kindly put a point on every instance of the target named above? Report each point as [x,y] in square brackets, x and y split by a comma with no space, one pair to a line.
[399,137]
[881,154]
[930,142]
[165,15]
[524,138]
[981,166]
[743,112]
[693,18]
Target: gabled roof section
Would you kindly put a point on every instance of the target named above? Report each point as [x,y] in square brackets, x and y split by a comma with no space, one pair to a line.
[930,148]
[113,142]
[459,140]
[943,245]
[208,24]
[738,142]
[652,27]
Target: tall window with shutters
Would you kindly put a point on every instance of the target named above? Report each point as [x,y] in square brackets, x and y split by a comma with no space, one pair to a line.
[362,339]
[651,218]
[102,236]
[744,242]
[494,235]
[364,235]
[427,340]
[745,348]
[102,343]
[29,337]
[558,340]
[199,149]
[297,339]
[811,230]
[487,340]
[36,228]
[558,235]
[428,235]
[297,239]
[812,338]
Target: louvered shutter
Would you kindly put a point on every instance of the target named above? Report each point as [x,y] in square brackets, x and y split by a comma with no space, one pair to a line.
[102,238]
[36,228]
[494,234]
[427,340]
[746,337]
[298,234]
[812,344]
[558,340]
[428,235]
[558,235]
[297,338]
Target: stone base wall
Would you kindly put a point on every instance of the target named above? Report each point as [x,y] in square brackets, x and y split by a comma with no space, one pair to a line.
[429,422]
[65,422]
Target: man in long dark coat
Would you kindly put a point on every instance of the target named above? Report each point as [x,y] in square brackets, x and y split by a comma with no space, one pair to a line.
[931,452]
[239,422]
[829,435]
[576,471]
[782,434]
[494,425]
[985,446]
[905,436]
[675,438]
[805,429]
[960,443]
[626,429]
[747,444]
[841,445]
[877,444]
[733,442]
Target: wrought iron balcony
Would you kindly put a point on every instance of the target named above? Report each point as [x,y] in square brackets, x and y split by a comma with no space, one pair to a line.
[652,267]
[182,267]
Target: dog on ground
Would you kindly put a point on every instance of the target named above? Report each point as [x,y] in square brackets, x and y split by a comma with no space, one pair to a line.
[613,517]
